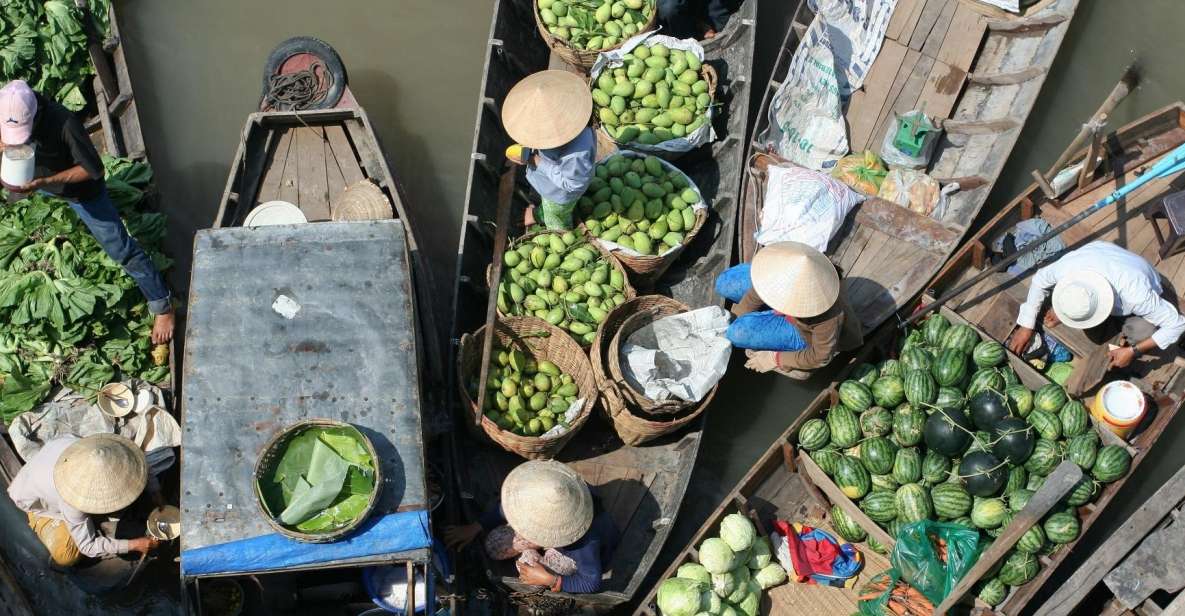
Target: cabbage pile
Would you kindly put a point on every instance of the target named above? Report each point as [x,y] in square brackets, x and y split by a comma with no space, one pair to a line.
[732,572]
[45,43]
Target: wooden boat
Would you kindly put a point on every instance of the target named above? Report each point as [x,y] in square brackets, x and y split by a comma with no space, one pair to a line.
[976,67]
[784,484]
[641,486]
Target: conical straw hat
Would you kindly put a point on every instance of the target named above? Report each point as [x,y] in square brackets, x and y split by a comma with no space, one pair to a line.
[100,474]
[795,279]
[547,109]
[547,503]
[361,201]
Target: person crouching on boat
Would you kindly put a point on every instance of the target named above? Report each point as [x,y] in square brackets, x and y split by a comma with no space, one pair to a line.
[547,520]
[1103,290]
[68,166]
[69,482]
[547,114]
[792,316]
[682,18]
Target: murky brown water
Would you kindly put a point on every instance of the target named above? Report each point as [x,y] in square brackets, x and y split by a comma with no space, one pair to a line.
[415,65]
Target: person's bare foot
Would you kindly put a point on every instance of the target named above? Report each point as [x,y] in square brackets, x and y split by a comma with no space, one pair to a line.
[710,34]
[162,327]
[529,216]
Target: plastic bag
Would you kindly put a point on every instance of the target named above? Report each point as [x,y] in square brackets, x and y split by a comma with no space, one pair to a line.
[916,559]
[911,189]
[863,172]
[805,206]
[919,128]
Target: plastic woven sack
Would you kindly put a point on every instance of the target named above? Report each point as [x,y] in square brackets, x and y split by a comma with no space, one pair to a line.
[917,562]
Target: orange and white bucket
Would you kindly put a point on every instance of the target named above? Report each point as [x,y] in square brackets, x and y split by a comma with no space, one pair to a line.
[1119,406]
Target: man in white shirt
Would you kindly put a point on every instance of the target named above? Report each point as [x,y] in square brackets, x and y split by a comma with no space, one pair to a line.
[1095,283]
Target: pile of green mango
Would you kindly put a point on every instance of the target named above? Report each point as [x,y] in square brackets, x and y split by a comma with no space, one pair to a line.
[593,25]
[561,279]
[638,204]
[526,396]
[656,95]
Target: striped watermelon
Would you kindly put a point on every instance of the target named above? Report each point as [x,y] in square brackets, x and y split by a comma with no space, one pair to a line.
[988,512]
[908,425]
[950,500]
[876,421]
[985,379]
[1111,463]
[880,506]
[997,531]
[865,373]
[851,477]
[876,546]
[1047,424]
[877,454]
[826,459]
[948,398]
[1083,449]
[961,337]
[855,395]
[1020,400]
[965,522]
[1032,541]
[916,359]
[913,503]
[1045,457]
[1018,477]
[987,354]
[888,391]
[992,592]
[933,328]
[814,434]
[907,465]
[920,387]
[891,367]
[935,467]
[1010,376]
[845,428]
[1073,418]
[1018,498]
[1083,492]
[1050,398]
[884,483]
[1018,569]
[950,368]
[846,526]
[1035,481]
[1062,527]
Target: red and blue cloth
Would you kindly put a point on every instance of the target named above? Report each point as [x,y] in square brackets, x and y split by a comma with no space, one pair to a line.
[818,557]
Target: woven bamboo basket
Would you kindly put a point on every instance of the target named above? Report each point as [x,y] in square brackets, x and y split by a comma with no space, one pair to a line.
[634,427]
[610,258]
[579,57]
[271,455]
[632,323]
[709,75]
[556,346]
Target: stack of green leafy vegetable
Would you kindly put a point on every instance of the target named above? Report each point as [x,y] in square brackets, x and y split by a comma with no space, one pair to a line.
[45,43]
[69,315]
[323,480]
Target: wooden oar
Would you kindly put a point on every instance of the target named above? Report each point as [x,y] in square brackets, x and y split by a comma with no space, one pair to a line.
[501,223]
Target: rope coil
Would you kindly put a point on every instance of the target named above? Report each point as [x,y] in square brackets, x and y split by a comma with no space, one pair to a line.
[298,90]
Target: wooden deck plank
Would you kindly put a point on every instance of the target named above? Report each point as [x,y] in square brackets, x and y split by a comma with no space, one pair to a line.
[866,103]
[926,22]
[934,41]
[849,251]
[904,18]
[941,90]
[312,190]
[963,38]
[335,182]
[289,189]
[629,496]
[269,189]
[343,152]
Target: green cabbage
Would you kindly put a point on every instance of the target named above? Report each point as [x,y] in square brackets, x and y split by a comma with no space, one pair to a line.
[752,601]
[759,554]
[716,556]
[679,597]
[724,584]
[737,531]
[709,602]
[694,571]
[770,575]
[1059,372]
[727,609]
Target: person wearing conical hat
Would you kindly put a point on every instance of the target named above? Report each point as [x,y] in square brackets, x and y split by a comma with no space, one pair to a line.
[792,316]
[1104,290]
[69,482]
[547,114]
[548,519]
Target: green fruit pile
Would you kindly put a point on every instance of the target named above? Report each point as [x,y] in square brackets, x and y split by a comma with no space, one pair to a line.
[593,25]
[526,396]
[639,204]
[967,443]
[656,95]
[561,279]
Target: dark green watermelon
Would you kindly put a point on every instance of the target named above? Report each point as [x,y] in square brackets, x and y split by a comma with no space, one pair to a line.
[983,474]
[1013,440]
[987,409]
[948,432]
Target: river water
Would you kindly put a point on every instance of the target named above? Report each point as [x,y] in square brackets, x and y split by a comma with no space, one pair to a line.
[416,67]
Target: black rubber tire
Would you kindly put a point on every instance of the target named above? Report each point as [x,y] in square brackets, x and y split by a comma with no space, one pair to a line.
[321,49]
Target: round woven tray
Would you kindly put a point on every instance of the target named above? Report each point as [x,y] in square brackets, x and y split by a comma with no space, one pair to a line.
[579,57]
[633,426]
[559,348]
[271,455]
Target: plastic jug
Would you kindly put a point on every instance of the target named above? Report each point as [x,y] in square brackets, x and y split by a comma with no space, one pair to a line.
[1119,406]
[16,165]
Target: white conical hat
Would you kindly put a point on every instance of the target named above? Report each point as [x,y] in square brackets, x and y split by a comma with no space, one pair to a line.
[100,474]
[1083,299]
[795,279]
[547,109]
[547,503]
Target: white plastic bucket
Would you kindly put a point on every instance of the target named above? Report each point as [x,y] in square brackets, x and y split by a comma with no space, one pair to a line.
[16,165]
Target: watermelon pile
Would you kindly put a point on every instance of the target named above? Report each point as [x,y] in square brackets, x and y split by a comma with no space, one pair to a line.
[948,432]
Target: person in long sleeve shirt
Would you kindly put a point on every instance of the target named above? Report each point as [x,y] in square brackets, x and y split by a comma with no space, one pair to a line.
[67,532]
[1102,288]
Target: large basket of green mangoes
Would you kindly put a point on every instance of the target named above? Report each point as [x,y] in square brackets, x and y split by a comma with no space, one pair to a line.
[644,210]
[562,278]
[655,94]
[578,30]
[540,390]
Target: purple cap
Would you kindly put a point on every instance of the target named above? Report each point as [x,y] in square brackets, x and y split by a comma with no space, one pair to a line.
[18,106]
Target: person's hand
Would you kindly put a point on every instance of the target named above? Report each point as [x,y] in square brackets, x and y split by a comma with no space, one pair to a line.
[1051,319]
[143,545]
[1122,357]
[162,327]
[761,361]
[1020,340]
[535,575]
[32,186]
[457,537]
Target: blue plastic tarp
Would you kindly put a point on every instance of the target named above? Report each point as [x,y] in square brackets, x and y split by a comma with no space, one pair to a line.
[389,534]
